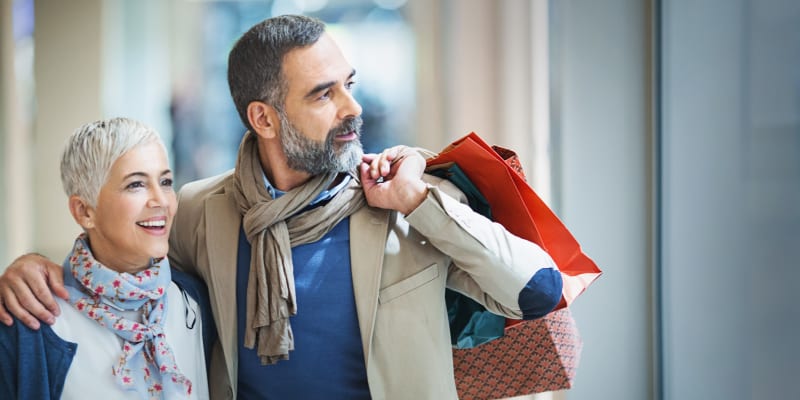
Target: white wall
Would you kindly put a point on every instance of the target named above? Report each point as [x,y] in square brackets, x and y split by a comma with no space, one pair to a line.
[602,178]
[731,141]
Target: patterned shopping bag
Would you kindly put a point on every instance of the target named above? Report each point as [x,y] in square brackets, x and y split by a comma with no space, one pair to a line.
[532,357]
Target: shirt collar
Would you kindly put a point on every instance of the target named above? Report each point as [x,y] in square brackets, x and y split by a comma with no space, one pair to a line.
[325,195]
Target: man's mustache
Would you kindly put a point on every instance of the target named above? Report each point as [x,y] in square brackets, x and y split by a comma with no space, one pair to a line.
[352,124]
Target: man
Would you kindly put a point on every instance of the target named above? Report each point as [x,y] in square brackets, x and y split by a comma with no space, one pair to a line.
[327,268]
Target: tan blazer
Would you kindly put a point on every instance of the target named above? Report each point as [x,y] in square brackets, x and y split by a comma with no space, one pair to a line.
[400,268]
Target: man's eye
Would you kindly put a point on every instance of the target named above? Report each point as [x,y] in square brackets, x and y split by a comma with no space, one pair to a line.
[349,85]
[166,182]
[325,96]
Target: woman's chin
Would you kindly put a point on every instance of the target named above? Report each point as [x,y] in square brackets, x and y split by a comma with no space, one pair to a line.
[159,251]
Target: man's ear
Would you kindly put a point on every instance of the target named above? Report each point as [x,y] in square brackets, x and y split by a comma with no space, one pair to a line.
[264,119]
[82,212]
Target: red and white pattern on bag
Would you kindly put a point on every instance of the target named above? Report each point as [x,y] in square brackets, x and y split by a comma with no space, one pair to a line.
[511,158]
[533,357]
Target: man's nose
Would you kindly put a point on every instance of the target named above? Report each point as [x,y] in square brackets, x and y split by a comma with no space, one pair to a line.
[349,107]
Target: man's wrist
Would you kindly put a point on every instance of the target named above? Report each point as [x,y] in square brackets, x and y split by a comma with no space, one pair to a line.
[418,191]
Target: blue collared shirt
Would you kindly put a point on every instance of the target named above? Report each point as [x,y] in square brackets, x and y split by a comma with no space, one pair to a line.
[326,194]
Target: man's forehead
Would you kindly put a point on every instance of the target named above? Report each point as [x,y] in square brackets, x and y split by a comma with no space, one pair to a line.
[322,61]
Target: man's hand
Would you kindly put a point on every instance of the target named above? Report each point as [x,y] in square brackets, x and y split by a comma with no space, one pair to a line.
[393,179]
[25,291]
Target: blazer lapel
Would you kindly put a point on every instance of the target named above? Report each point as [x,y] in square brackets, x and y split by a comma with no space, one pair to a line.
[222,232]
[368,225]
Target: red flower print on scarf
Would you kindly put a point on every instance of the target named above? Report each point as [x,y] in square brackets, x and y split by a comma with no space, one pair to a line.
[143,292]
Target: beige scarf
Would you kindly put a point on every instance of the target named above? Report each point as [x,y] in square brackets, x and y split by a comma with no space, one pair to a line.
[272,228]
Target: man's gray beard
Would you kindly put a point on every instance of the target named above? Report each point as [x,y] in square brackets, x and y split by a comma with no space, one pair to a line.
[308,155]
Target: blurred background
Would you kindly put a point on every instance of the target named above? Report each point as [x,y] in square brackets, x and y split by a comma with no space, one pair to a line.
[664,133]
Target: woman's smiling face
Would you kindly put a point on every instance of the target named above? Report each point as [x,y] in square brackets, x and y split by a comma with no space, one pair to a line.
[131,222]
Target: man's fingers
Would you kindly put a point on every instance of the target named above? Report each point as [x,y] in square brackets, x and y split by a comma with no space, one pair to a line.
[56,281]
[368,157]
[14,307]
[38,300]
[44,298]
[382,165]
[366,178]
[24,290]
[5,317]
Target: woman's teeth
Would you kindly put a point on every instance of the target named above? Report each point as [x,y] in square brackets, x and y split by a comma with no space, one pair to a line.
[152,224]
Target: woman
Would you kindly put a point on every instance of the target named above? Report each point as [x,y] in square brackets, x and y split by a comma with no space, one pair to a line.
[128,331]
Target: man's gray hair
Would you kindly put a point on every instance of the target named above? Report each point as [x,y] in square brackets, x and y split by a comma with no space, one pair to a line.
[256,60]
[93,148]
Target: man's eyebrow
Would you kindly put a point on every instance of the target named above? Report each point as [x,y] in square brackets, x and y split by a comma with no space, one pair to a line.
[325,85]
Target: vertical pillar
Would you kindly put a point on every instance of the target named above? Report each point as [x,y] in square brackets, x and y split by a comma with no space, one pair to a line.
[6,113]
[16,167]
[68,71]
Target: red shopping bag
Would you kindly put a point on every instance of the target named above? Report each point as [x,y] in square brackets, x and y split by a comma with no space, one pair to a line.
[519,209]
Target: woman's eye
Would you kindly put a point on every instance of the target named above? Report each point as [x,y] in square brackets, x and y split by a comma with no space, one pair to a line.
[349,85]
[166,182]
[135,185]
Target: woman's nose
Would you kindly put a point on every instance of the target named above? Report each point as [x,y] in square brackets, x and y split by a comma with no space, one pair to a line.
[157,199]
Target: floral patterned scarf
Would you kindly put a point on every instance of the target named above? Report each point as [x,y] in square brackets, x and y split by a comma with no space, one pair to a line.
[146,364]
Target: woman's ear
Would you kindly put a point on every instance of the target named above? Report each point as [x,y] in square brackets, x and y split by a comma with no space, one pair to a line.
[264,119]
[82,212]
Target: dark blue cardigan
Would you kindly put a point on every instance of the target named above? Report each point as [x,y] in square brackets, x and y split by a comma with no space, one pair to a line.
[34,363]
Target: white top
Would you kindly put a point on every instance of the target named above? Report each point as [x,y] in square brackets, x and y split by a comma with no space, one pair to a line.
[89,375]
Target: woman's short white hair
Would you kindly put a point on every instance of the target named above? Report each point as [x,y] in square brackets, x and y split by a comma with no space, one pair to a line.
[93,148]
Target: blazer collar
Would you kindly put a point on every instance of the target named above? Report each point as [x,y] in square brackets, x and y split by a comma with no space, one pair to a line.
[222,232]
[367,226]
